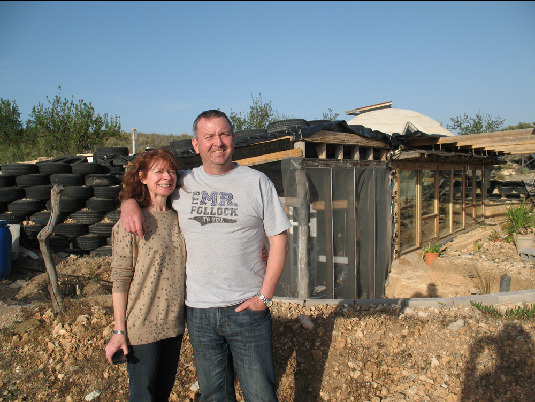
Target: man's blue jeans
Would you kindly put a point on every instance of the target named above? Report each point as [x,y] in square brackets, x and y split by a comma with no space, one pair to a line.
[152,368]
[219,336]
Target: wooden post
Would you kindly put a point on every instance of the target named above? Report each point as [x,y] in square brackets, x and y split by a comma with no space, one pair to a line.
[303,217]
[44,234]
[339,151]
[355,152]
[322,151]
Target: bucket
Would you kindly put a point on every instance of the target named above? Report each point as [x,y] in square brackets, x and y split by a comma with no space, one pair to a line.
[14,228]
[5,250]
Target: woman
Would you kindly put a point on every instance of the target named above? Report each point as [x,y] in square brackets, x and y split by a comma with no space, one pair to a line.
[148,281]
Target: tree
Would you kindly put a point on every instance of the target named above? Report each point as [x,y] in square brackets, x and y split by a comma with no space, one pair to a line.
[466,124]
[72,127]
[330,115]
[259,116]
[11,129]
[520,125]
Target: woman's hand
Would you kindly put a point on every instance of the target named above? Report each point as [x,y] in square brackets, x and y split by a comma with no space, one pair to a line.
[116,342]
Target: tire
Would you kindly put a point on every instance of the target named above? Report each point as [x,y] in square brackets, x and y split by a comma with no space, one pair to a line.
[49,168]
[251,131]
[25,206]
[117,151]
[12,218]
[180,143]
[104,251]
[7,180]
[30,180]
[116,169]
[101,229]
[118,178]
[107,192]
[101,204]
[68,205]
[67,179]
[114,216]
[70,230]
[10,194]
[88,242]
[17,169]
[99,180]
[33,230]
[87,217]
[59,243]
[42,217]
[39,192]
[89,168]
[281,125]
[80,192]
[314,122]
[72,159]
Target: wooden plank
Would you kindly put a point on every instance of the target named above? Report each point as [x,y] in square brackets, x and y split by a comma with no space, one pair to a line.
[476,138]
[369,154]
[277,156]
[499,141]
[332,137]
[513,149]
[336,204]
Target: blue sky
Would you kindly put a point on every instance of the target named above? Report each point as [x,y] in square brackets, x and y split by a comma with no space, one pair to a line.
[158,65]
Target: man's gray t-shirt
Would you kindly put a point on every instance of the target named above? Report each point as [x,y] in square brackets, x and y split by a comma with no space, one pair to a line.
[223,219]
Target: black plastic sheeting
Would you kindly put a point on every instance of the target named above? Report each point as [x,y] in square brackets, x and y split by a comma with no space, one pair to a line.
[297,134]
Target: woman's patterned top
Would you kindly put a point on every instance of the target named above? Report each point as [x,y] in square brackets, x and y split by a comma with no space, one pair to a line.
[152,270]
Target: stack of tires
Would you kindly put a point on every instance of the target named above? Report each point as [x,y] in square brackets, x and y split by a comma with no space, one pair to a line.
[88,203]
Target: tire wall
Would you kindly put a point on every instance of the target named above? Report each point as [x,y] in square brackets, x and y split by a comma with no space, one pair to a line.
[84,225]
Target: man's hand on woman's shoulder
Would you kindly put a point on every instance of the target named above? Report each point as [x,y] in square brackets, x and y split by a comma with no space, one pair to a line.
[132,218]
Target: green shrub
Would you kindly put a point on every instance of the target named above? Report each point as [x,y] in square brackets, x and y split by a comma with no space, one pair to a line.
[518,219]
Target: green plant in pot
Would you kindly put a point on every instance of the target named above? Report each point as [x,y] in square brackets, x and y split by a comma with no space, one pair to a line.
[519,223]
[430,251]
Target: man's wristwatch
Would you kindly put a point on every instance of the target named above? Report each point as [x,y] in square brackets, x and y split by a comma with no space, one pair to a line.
[267,302]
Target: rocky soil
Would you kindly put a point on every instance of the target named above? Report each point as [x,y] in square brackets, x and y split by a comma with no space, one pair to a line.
[322,353]
[371,353]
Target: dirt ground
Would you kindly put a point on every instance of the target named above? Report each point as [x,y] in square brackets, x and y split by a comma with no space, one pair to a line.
[371,353]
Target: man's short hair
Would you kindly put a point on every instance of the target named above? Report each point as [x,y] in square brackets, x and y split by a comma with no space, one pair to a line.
[210,114]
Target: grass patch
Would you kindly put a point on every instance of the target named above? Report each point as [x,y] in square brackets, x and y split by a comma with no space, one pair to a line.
[524,312]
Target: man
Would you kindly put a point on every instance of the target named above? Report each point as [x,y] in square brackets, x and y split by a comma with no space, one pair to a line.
[224,211]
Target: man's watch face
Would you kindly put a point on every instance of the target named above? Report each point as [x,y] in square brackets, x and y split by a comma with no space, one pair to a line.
[268,303]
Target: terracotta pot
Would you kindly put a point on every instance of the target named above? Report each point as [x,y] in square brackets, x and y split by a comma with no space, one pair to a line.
[430,257]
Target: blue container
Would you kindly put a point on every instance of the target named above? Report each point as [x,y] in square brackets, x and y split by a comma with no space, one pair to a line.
[5,250]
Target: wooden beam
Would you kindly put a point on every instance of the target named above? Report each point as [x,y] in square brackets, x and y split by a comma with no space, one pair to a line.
[277,156]
[332,137]
[473,138]
[499,141]
[515,149]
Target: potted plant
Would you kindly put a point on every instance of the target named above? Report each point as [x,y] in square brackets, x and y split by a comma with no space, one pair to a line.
[519,223]
[431,251]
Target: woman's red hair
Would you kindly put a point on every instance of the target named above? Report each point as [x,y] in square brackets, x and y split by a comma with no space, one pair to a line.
[132,186]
